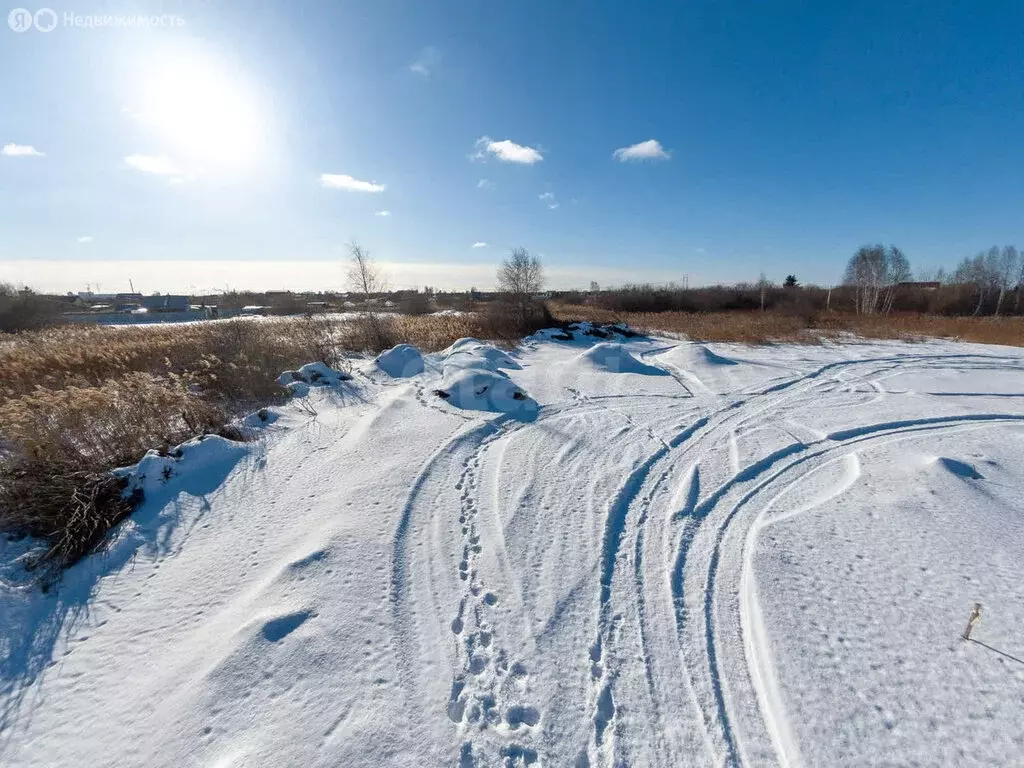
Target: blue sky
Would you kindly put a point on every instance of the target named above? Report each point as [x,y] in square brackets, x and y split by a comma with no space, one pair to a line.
[193,154]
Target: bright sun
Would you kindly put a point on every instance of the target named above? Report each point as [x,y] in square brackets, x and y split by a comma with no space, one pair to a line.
[205,110]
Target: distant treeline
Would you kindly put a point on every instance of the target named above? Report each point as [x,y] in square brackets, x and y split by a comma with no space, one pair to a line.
[877,280]
[943,299]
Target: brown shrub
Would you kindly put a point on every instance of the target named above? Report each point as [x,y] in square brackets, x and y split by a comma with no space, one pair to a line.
[510,318]
[70,510]
[59,446]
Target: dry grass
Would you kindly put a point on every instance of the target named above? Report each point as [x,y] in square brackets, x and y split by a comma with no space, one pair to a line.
[1008,331]
[234,359]
[113,424]
[430,333]
[77,401]
[767,327]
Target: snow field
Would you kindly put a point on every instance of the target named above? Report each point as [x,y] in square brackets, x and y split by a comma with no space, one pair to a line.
[663,554]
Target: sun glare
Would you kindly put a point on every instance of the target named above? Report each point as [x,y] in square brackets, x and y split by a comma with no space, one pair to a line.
[205,111]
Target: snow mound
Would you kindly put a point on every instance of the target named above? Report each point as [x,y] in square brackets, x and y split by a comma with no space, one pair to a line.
[713,358]
[197,467]
[617,359]
[400,361]
[471,353]
[479,390]
[461,344]
[311,374]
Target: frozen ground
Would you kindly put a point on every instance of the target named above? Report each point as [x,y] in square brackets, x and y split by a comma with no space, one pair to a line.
[663,554]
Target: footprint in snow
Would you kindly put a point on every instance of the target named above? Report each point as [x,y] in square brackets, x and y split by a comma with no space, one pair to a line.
[517,716]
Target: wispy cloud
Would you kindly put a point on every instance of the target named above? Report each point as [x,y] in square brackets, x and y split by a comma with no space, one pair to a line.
[479,244]
[382,213]
[21,150]
[506,151]
[429,60]
[85,239]
[549,199]
[485,184]
[344,181]
[158,165]
[645,150]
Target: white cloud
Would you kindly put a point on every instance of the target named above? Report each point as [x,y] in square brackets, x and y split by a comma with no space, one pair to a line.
[480,244]
[485,184]
[428,61]
[507,151]
[549,198]
[382,213]
[344,181]
[85,239]
[645,150]
[552,206]
[159,165]
[21,150]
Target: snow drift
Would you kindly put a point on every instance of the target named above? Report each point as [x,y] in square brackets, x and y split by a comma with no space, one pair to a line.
[401,361]
[481,390]
[473,353]
[615,358]
[196,467]
[773,568]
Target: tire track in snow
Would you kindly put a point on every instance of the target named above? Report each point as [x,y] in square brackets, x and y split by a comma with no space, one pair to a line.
[631,513]
[615,525]
[603,669]
[721,422]
[810,457]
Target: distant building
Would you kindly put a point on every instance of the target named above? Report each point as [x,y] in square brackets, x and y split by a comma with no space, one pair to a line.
[167,303]
[931,285]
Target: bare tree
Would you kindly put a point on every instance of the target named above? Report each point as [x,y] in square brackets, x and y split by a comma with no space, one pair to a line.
[981,271]
[1020,284]
[932,275]
[365,279]
[875,271]
[520,278]
[763,284]
[1007,266]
